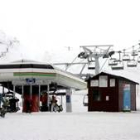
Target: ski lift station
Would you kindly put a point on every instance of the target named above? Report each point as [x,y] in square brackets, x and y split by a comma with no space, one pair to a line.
[107,92]
[30,79]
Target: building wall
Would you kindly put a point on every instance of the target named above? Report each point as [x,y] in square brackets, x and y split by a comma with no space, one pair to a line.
[103,104]
[133,97]
[115,94]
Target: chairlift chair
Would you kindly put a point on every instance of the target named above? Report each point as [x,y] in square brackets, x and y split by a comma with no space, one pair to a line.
[132,63]
[112,62]
[139,48]
[126,57]
[91,66]
[134,53]
[119,66]
[138,59]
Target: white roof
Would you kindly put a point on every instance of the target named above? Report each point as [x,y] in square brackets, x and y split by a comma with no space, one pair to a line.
[17,72]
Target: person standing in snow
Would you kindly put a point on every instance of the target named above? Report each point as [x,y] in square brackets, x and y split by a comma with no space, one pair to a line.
[53,103]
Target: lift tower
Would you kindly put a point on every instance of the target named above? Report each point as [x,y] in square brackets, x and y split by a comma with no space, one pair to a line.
[93,52]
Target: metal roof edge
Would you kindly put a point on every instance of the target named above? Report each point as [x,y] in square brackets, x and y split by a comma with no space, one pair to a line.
[117,76]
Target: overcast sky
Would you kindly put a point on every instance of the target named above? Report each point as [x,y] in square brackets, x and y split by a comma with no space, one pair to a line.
[47,26]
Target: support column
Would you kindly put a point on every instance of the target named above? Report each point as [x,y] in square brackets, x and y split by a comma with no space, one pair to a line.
[14,89]
[39,97]
[61,100]
[30,92]
[68,100]
[30,98]
[3,92]
[48,90]
[3,89]
[22,95]
[97,66]
[1,96]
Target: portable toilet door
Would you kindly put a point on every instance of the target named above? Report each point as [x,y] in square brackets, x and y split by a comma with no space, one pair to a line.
[85,100]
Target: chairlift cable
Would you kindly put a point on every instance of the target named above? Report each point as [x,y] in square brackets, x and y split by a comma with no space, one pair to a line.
[82,68]
[71,63]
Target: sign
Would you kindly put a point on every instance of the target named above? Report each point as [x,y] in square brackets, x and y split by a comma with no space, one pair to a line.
[30,80]
[68,98]
[126,98]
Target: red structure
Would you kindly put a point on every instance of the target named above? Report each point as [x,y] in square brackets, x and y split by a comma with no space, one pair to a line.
[31,103]
[107,92]
[44,102]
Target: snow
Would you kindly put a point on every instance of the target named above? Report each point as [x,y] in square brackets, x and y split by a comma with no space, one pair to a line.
[78,125]
[71,126]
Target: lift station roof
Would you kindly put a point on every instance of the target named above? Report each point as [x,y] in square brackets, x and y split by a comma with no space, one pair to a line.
[24,72]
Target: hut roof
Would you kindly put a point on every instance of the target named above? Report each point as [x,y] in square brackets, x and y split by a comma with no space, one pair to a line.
[113,75]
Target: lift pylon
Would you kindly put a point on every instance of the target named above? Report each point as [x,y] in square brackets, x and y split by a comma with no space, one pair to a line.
[96,52]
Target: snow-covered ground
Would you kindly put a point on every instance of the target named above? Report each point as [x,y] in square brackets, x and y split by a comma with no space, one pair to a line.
[78,125]
[71,126]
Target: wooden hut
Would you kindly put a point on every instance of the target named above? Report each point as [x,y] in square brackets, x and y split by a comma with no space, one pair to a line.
[107,92]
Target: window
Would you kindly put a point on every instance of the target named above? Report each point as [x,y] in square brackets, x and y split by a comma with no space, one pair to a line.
[103,81]
[94,83]
[96,95]
[112,82]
